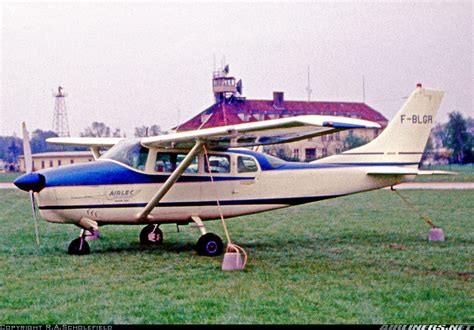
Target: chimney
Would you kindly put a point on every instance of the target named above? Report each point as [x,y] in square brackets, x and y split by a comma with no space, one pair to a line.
[278,98]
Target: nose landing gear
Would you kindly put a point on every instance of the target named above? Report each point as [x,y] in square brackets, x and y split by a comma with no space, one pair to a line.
[79,246]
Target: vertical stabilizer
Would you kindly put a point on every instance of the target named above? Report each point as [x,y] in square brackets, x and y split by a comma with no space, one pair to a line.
[404,139]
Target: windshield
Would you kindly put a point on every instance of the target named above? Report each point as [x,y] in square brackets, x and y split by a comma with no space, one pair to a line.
[128,152]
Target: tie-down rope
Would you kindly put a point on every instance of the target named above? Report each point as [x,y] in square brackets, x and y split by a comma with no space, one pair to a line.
[413,207]
[230,246]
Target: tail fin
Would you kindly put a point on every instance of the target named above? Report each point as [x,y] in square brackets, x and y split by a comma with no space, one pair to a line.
[404,139]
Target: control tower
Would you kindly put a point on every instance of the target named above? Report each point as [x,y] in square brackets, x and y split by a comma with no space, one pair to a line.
[224,87]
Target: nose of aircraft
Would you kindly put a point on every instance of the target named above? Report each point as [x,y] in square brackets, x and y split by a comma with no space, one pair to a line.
[31,181]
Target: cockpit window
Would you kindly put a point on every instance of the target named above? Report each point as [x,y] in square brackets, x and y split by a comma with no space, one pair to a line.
[128,152]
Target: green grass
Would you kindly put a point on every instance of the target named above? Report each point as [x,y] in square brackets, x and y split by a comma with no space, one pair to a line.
[326,262]
[8,177]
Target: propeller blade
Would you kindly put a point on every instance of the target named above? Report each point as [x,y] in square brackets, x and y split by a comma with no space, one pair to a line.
[29,169]
[33,208]
[27,150]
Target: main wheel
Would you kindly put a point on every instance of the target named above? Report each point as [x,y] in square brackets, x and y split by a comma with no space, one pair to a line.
[79,247]
[151,234]
[210,245]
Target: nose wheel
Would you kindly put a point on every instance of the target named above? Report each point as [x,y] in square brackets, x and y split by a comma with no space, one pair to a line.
[151,235]
[79,247]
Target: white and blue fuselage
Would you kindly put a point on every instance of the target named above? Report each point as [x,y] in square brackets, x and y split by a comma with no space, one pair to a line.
[110,192]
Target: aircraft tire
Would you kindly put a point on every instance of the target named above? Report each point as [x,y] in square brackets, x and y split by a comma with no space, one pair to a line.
[210,245]
[79,247]
[151,236]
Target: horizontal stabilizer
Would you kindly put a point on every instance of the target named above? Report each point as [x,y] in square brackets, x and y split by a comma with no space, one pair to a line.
[389,170]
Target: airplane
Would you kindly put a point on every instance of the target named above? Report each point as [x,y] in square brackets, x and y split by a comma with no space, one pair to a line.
[194,176]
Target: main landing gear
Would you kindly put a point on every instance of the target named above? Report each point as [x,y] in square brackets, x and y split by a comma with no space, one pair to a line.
[209,244]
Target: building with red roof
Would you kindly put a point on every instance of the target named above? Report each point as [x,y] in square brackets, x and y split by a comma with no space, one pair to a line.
[231,108]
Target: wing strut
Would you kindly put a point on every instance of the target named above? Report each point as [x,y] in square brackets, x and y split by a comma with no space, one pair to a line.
[171,180]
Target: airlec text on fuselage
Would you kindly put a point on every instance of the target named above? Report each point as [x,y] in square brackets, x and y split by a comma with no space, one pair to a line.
[416,119]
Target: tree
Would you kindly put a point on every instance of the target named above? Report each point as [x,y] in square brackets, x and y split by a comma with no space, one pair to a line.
[458,139]
[14,150]
[353,141]
[117,133]
[144,131]
[97,129]
[10,148]
[38,141]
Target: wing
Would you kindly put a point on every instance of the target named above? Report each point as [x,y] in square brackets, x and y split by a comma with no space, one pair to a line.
[266,132]
[91,142]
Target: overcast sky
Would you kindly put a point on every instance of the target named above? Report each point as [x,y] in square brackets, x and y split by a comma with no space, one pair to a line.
[133,64]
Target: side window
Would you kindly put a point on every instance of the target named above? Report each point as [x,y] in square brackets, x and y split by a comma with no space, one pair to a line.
[246,164]
[168,162]
[218,164]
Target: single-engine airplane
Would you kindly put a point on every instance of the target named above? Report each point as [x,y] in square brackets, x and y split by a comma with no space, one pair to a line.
[179,178]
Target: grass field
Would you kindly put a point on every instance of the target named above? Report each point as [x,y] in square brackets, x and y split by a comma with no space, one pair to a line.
[357,259]
[8,177]
[465,173]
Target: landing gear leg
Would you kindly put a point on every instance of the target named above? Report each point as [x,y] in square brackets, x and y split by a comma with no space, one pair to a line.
[209,244]
[151,235]
[79,246]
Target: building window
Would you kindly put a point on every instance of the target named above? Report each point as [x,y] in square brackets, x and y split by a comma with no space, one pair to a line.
[338,150]
[310,154]
[296,153]
[72,161]
[50,163]
[338,136]
[323,138]
[42,164]
[325,152]
[59,162]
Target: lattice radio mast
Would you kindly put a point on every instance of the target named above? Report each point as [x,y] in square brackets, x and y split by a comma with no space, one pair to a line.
[60,123]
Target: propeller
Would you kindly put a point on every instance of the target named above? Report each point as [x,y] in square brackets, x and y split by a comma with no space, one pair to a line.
[29,169]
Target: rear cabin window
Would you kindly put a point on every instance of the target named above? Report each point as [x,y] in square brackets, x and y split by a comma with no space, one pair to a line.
[218,164]
[167,162]
[246,164]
